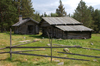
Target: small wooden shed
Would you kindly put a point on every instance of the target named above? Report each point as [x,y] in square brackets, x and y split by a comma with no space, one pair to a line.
[65,28]
[26,26]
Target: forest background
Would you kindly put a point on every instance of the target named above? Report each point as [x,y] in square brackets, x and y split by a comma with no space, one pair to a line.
[11,9]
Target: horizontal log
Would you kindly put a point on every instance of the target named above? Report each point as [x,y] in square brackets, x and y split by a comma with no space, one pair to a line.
[27,50]
[47,47]
[4,52]
[90,48]
[50,56]
[18,45]
[2,48]
[79,54]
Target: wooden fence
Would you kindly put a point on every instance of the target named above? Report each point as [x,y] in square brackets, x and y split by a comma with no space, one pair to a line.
[50,40]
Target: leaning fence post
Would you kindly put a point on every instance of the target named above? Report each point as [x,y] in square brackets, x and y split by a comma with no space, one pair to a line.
[50,35]
[10,43]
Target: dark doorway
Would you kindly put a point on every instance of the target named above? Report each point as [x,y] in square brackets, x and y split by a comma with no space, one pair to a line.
[30,28]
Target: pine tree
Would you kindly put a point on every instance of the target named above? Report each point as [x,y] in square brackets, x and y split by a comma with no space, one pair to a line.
[97,21]
[11,9]
[83,14]
[91,10]
[45,15]
[26,9]
[17,4]
[41,16]
[61,10]
[54,14]
[37,17]
[7,14]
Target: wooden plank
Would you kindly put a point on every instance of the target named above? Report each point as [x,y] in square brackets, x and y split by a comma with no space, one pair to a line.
[48,47]
[50,43]
[50,56]
[48,36]
[4,52]
[90,48]
[27,50]
[10,43]
[2,48]
[79,46]
[51,47]
[17,45]
[79,54]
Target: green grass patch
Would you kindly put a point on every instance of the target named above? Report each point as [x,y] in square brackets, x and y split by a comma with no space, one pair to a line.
[24,60]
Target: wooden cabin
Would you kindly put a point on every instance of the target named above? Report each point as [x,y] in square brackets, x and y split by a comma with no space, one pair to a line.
[26,26]
[64,27]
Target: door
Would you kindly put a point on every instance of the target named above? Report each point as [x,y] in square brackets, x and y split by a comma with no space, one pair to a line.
[30,29]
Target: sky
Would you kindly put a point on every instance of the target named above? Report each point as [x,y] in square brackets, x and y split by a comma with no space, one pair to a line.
[50,6]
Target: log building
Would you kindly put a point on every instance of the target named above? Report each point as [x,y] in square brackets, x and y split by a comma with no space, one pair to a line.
[26,26]
[65,28]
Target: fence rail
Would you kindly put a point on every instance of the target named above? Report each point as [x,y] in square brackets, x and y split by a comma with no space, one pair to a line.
[79,54]
[3,52]
[46,47]
[90,48]
[49,56]
[2,48]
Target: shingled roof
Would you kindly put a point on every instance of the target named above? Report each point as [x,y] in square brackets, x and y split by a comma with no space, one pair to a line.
[24,21]
[66,23]
[60,20]
[74,28]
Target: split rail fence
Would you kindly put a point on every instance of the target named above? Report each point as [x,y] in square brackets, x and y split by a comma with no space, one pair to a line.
[50,40]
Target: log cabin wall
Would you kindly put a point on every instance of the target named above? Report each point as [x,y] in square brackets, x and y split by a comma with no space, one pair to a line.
[45,28]
[24,28]
[79,35]
[16,30]
[65,28]
[57,33]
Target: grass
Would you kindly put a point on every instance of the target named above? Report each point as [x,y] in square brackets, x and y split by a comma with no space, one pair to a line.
[23,60]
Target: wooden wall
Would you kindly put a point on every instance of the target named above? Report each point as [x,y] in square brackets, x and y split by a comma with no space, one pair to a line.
[79,35]
[57,33]
[23,29]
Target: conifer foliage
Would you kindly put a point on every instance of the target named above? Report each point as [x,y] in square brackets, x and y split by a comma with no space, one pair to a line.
[61,10]
[26,8]
[7,14]
[88,16]
[96,19]
[83,14]
[11,9]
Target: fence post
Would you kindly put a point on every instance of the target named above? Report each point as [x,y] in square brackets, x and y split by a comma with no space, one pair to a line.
[50,37]
[51,47]
[10,43]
